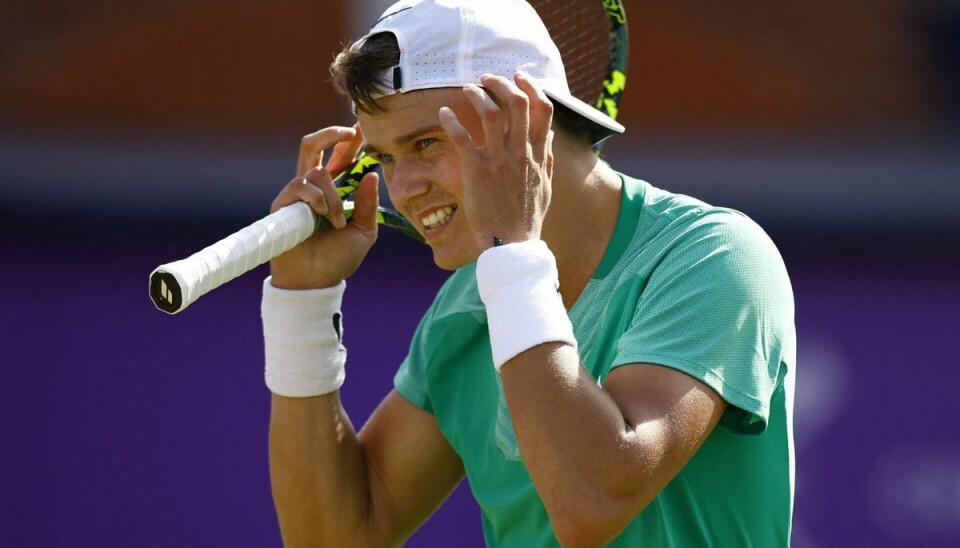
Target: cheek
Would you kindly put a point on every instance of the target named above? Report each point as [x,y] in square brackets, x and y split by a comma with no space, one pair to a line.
[395,201]
[446,170]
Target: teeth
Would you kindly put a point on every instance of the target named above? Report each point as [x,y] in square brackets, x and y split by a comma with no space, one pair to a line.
[438,217]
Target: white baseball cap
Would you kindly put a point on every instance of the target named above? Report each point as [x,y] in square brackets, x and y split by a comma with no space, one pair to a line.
[450,43]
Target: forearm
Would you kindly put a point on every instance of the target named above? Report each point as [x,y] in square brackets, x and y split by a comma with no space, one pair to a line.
[318,473]
[318,469]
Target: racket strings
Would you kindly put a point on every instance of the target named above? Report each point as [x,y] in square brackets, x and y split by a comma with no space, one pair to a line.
[581,31]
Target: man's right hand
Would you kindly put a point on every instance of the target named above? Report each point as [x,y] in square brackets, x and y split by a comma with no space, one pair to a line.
[333,253]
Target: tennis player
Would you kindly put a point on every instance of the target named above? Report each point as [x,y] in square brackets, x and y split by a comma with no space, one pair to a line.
[608,364]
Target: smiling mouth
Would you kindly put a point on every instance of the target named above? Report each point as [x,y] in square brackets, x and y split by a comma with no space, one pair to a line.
[438,218]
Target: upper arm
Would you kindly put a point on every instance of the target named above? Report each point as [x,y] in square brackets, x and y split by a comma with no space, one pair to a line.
[668,414]
[410,465]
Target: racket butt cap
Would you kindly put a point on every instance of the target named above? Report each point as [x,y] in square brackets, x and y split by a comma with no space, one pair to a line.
[165,292]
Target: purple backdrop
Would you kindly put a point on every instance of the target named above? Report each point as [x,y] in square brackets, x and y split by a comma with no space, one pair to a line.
[123,426]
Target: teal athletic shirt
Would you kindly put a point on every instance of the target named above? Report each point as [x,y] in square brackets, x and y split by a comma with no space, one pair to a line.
[682,284]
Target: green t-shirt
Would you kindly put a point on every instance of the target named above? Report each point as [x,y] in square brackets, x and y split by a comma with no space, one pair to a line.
[682,284]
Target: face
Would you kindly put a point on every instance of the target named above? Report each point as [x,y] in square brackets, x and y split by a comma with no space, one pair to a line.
[422,168]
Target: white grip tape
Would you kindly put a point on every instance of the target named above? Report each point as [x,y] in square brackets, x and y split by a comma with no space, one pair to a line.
[302,334]
[519,286]
[240,252]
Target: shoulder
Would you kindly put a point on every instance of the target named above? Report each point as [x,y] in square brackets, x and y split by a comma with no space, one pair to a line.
[664,217]
[686,215]
[698,261]
[685,232]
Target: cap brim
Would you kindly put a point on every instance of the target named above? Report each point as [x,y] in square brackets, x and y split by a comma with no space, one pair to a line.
[605,125]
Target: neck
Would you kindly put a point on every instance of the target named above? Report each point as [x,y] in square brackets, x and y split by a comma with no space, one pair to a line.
[582,216]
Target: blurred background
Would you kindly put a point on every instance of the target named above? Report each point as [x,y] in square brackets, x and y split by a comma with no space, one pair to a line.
[131,134]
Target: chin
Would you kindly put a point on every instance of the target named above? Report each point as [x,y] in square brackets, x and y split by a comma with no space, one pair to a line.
[449,260]
[447,264]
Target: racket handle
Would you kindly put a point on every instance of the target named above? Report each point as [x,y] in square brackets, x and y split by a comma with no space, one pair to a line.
[174,286]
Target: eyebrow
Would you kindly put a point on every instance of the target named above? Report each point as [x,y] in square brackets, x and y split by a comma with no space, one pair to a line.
[404,139]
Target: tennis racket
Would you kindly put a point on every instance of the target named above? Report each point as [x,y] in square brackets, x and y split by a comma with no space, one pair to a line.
[592,38]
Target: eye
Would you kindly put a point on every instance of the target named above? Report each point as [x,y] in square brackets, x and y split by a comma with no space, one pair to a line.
[384,159]
[424,143]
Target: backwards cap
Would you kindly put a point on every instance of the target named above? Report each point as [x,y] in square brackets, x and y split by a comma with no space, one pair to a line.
[450,43]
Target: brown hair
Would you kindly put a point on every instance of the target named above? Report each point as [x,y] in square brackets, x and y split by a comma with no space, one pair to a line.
[357,74]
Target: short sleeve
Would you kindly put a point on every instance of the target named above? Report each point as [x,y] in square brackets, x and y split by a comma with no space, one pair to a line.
[718,307]
[455,318]
[410,380]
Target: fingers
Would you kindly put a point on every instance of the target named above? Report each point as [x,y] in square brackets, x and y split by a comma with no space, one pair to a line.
[318,191]
[541,115]
[547,159]
[344,152]
[321,179]
[300,189]
[314,183]
[511,114]
[313,145]
[492,121]
[458,134]
[515,108]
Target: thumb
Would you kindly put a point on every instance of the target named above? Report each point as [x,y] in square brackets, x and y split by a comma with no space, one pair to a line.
[366,201]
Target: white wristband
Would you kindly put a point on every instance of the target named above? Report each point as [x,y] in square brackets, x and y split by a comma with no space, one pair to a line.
[519,286]
[302,333]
